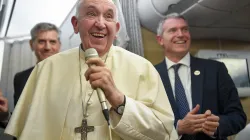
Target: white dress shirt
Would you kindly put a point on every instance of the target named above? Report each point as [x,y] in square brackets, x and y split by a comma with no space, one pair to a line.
[184,74]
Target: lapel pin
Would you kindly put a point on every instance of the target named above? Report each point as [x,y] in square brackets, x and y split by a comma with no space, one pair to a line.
[197,72]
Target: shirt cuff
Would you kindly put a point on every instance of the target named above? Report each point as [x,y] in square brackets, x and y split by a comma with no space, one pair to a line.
[215,134]
[114,117]
[179,136]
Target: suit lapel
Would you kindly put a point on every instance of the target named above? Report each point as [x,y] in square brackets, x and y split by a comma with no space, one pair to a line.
[197,74]
[162,69]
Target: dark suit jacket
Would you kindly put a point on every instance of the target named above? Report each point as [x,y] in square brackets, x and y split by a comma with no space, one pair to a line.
[20,80]
[213,89]
[2,125]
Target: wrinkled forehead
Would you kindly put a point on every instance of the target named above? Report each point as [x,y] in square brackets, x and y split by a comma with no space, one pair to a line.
[108,1]
[47,33]
[93,3]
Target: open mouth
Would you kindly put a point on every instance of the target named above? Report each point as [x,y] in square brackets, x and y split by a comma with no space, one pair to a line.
[98,35]
[180,42]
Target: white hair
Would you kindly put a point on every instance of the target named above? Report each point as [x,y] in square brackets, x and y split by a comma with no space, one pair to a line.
[78,5]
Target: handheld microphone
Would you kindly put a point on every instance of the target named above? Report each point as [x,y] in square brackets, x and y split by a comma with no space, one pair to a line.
[92,53]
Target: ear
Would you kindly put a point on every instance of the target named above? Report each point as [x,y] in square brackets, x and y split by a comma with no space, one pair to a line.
[31,45]
[117,27]
[159,40]
[59,46]
[74,22]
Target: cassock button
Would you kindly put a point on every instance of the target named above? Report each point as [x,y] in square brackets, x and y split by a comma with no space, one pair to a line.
[197,72]
[89,102]
[87,115]
[90,92]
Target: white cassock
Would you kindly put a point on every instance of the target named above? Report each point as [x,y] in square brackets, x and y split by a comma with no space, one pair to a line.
[51,104]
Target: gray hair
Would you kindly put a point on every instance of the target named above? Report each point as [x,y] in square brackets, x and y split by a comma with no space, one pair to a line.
[78,5]
[44,26]
[161,23]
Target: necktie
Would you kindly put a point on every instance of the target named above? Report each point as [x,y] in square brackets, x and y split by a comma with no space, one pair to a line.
[180,96]
[181,99]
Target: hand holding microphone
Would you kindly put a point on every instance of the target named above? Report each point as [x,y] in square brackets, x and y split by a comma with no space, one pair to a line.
[92,53]
[100,78]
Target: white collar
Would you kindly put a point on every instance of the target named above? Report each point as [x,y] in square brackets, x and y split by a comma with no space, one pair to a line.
[185,61]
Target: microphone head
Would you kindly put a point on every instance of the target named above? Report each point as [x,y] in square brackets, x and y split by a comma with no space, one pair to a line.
[90,53]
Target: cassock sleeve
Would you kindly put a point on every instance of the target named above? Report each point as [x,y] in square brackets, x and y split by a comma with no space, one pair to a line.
[149,116]
[20,115]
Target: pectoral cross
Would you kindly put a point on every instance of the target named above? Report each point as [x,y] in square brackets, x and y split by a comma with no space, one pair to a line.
[84,129]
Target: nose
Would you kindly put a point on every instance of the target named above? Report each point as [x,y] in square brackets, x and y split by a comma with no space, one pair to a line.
[179,33]
[47,46]
[100,23]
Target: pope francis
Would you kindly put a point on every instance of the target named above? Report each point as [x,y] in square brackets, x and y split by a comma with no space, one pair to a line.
[59,101]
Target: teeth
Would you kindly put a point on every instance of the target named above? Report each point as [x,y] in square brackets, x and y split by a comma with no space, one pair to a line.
[97,35]
[180,42]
